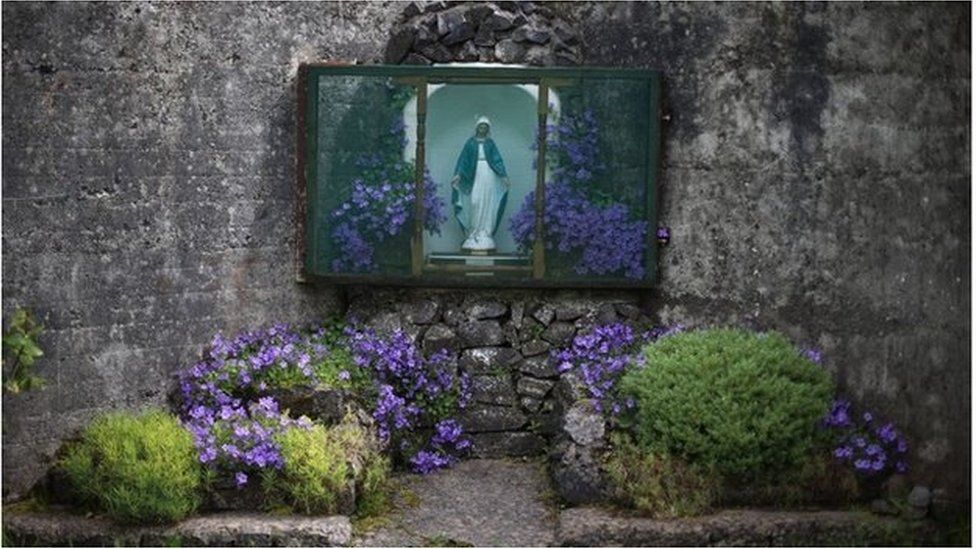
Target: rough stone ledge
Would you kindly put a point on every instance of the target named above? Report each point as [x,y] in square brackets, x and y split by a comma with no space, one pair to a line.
[590,526]
[216,530]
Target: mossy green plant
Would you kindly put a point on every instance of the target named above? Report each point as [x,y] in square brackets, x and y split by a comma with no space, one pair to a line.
[328,468]
[658,484]
[136,467]
[741,403]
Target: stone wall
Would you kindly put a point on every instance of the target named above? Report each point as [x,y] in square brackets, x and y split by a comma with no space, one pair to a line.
[816,179]
[503,342]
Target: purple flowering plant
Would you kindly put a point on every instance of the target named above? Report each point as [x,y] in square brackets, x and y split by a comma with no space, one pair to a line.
[416,395]
[380,205]
[594,232]
[873,449]
[224,402]
[600,356]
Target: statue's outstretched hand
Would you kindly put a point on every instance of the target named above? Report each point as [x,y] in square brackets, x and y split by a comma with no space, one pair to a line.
[454,181]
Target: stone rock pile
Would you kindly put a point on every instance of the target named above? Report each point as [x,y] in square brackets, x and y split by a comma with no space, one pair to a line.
[520,404]
[502,32]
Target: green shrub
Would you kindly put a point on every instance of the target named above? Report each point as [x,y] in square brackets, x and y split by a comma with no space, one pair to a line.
[138,468]
[20,351]
[658,484]
[325,468]
[742,403]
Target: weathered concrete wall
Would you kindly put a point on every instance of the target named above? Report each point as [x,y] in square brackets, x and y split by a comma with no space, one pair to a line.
[816,180]
[148,191]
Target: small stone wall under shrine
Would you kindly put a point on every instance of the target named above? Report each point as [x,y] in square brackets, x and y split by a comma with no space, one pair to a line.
[520,404]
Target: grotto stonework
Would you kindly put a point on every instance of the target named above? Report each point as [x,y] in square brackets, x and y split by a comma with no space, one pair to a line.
[816,178]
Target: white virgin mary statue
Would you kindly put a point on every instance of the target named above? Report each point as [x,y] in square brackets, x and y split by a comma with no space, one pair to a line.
[480,189]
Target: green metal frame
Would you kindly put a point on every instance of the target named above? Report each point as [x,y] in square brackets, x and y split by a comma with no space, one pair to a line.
[307,148]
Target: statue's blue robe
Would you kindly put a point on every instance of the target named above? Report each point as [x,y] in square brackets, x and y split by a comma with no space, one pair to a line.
[466,163]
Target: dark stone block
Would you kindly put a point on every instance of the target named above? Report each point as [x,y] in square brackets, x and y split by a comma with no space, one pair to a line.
[454,316]
[486,310]
[439,337]
[424,36]
[531,329]
[569,389]
[476,14]
[628,310]
[518,313]
[413,9]
[435,6]
[494,389]
[480,418]
[415,59]
[540,56]
[535,347]
[226,496]
[399,45]
[544,314]
[577,475]
[537,36]
[421,312]
[507,51]
[535,388]
[560,334]
[489,360]
[607,314]
[583,424]
[498,21]
[464,31]
[437,52]
[565,32]
[481,333]
[498,445]
[539,366]
[530,405]
[448,21]
[468,52]
[325,405]
[569,311]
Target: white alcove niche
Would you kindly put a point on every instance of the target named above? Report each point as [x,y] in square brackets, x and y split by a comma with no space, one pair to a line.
[452,110]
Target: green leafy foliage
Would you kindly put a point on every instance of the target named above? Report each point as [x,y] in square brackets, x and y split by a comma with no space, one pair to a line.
[742,403]
[137,468]
[658,484]
[20,351]
[325,467]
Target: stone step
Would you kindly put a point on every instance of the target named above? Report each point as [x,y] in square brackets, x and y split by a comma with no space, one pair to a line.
[592,527]
[62,529]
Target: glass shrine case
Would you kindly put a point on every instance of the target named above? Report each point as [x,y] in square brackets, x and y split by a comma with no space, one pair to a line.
[461,175]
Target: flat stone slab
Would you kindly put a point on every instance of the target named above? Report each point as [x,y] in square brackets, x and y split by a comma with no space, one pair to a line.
[480,502]
[217,530]
[590,526]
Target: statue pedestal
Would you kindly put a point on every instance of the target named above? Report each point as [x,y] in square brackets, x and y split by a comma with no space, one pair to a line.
[478,263]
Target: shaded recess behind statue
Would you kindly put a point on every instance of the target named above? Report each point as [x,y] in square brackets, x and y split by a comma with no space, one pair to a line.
[479,189]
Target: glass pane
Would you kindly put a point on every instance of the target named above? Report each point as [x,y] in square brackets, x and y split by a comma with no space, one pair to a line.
[362,202]
[480,151]
[599,161]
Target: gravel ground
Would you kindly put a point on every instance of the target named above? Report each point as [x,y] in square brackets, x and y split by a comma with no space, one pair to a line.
[478,502]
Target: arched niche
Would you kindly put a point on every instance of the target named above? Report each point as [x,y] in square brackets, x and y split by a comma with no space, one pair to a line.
[452,110]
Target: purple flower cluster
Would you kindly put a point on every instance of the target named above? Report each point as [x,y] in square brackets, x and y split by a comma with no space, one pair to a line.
[812,354]
[870,448]
[232,424]
[663,235]
[414,391]
[574,145]
[381,206]
[601,231]
[601,356]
